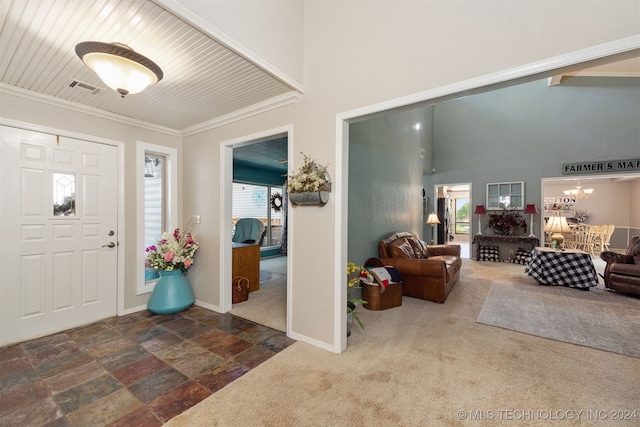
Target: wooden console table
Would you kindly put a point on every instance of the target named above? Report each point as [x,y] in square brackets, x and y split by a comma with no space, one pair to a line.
[479,239]
[246,262]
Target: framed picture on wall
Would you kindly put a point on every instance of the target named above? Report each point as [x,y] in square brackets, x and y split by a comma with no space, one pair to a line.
[509,195]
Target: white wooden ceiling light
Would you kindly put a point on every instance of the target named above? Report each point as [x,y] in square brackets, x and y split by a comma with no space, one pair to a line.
[119,66]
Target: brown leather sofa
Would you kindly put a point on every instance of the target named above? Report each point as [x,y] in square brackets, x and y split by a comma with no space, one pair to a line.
[622,272]
[428,271]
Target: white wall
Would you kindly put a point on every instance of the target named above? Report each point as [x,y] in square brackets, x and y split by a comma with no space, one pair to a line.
[270,29]
[361,53]
[56,118]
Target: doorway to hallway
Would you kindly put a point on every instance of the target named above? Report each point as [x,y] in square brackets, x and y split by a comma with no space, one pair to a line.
[454,212]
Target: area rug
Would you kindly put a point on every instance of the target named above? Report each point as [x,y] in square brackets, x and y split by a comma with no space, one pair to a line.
[598,319]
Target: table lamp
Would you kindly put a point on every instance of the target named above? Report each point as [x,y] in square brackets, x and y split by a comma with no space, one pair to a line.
[433,220]
[531,209]
[557,225]
[480,210]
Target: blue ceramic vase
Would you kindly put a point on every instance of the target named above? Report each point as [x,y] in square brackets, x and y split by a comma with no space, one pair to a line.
[171,293]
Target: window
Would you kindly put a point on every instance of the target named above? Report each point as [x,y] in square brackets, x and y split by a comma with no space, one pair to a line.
[254,201]
[505,195]
[155,212]
[462,216]
[157,187]
[64,194]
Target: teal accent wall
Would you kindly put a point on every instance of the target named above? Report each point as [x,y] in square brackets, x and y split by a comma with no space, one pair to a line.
[526,132]
[252,174]
[521,133]
[385,178]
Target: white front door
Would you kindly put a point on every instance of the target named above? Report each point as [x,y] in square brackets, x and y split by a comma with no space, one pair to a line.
[58,222]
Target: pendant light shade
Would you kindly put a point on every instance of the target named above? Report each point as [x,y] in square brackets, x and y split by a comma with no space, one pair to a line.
[119,66]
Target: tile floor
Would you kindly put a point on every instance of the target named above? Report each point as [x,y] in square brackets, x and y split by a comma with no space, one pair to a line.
[135,370]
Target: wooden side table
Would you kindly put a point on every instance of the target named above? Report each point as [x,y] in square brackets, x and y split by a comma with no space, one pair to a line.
[246,262]
[479,239]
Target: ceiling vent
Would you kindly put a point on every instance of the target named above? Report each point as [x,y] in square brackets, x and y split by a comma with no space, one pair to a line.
[77,84]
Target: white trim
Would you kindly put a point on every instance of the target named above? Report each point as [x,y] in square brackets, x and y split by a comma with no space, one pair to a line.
[80,108]
[121,237]
[527,70]
[213,32]
[208,306]
[320,344]
[260,108]
[132,310]
[341,198]
[142,286]
[342,136]
[226,182]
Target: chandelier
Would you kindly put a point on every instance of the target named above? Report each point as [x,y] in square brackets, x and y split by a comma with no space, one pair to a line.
[579,192]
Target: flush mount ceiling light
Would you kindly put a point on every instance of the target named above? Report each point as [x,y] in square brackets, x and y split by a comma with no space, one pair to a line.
[119,66]
[579,192]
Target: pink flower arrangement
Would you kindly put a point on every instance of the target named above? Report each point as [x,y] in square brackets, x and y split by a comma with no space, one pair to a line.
[174,251]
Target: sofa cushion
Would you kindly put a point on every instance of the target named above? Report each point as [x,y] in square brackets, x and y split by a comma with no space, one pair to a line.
[401,248]
[489,253]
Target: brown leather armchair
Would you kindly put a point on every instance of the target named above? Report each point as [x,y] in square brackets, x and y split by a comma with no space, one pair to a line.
[622,272]
[428,271]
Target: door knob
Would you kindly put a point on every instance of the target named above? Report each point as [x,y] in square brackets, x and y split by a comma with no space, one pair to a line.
[109,245]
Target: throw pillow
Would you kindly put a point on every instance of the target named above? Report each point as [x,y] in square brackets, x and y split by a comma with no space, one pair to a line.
[401,249]
[521,257]
[419,249]
[489,253]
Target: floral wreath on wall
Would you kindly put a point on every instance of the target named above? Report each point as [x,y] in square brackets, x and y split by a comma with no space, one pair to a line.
[276,202]
[507,222]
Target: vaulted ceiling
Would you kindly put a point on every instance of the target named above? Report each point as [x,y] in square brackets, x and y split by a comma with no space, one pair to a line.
[204,81]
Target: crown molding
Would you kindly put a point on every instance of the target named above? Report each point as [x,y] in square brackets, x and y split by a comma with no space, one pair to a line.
[6,89]
[270,104]
[262,107]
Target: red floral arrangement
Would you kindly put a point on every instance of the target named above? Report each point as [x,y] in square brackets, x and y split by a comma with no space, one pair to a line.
[506,223]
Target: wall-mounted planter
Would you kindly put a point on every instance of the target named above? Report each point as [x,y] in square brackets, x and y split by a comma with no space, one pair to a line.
[309,198]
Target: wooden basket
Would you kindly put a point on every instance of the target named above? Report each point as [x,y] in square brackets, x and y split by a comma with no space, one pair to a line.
[391,297]
[240,289]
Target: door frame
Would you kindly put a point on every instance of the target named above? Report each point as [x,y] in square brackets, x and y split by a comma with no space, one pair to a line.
[226,184]
[121,239]
[469,185]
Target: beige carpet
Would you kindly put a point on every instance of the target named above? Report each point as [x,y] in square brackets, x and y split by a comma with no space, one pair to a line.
[268,305]
[427,364]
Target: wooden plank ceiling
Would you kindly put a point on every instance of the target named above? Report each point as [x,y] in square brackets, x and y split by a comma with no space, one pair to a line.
[203,80]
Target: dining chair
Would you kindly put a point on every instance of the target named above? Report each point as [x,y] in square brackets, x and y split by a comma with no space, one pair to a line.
[607,237]
[584,236]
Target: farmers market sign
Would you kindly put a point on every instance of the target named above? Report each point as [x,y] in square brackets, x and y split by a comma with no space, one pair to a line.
[606,166]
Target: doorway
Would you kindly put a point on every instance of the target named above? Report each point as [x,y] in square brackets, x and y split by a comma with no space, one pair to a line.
[252,164]
[454,213]
[64,217]
[609,200]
